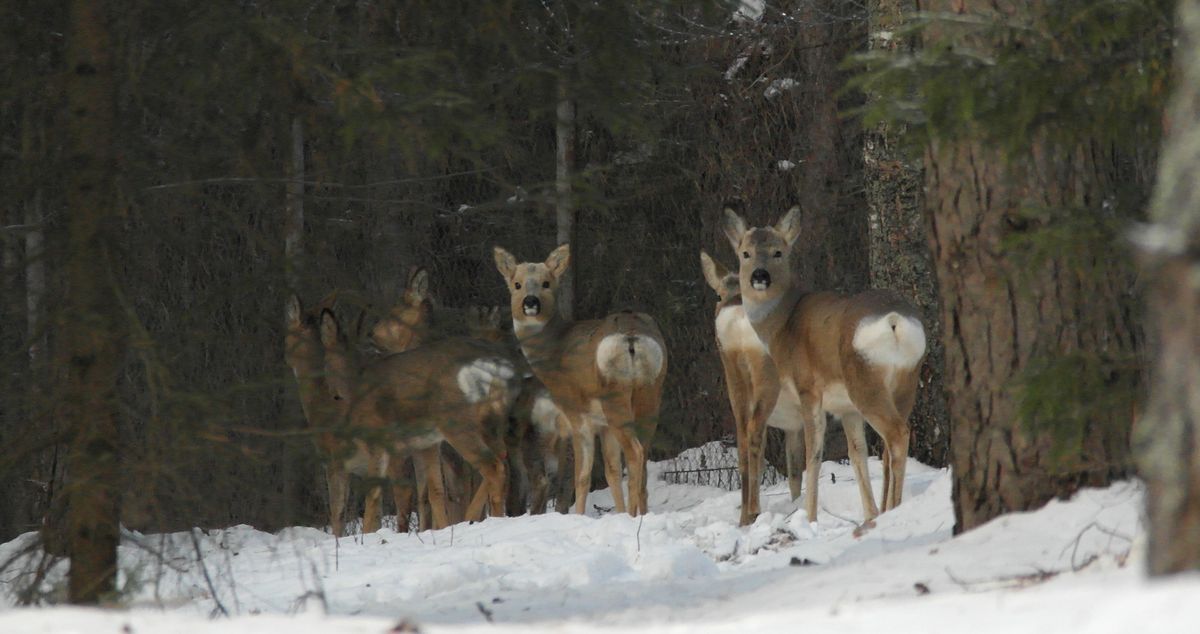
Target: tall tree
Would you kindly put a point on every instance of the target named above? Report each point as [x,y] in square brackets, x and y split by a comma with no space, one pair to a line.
[1167,438]
[92,325]
[1040,123]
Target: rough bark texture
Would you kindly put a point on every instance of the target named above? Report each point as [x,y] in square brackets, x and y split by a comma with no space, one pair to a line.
[1167,438]
[91,329]
[1000,314]
[899,250]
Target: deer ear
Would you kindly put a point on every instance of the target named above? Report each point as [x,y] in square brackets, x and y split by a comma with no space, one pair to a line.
[505,262]
[734,227]
[789,225]
[714,273]
[294,311]
[418,285]
[559,259]
[330,331]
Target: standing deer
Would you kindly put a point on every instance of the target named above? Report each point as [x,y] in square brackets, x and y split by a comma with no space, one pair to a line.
[753,386]
[538,431]
[603,374]
[853,356]
[304,354]
[457,390]
[405,326]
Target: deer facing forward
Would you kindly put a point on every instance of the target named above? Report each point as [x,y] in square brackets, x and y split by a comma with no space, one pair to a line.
[604,374]
[852,356]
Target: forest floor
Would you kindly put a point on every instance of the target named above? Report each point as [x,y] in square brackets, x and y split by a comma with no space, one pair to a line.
[1073,566]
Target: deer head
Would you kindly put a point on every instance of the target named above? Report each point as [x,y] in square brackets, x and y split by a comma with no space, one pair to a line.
[532,287]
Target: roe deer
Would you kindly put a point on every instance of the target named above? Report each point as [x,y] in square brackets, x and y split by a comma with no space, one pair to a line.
[603,374]
[538,431]
[753,387]
[304,354]
[405,326]
[457,390]
[852,356]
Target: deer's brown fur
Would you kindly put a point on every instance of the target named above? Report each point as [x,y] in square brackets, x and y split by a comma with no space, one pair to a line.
[753,387]
[853,356]
[603,373]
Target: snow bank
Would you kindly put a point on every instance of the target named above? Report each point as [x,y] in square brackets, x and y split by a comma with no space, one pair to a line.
[1072,566]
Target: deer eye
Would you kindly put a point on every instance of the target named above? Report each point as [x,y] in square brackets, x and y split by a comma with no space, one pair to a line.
[517,286]
[779,254]
[745,255]
[545,284]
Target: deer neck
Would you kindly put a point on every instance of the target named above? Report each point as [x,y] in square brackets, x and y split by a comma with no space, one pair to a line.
[543,344]
[769,317]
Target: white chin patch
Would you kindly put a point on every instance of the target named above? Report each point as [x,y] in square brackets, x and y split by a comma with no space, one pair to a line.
[532,311]
[759,286]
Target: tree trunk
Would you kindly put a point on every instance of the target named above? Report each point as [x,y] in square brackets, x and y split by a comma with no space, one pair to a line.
[91,327]
[1167,438]
[564,201]
[293,222]
[1003,316]
[899,249]
[293,255]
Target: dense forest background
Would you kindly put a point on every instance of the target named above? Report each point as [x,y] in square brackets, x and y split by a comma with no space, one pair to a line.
[984,160]
[426,135]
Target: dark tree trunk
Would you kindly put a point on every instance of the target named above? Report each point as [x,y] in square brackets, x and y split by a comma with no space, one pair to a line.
[1001,315]
[899,249]
[1167,438]
[91,328]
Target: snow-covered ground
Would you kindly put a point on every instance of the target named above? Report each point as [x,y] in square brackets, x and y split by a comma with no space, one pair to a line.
[1074,566]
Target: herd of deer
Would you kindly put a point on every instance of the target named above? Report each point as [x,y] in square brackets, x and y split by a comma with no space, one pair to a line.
[507,408]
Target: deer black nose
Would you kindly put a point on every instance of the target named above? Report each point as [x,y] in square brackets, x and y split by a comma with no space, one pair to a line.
[531,305]
[760,279]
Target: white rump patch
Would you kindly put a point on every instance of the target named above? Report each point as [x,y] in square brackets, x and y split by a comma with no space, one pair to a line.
[735,332]
[478,378]
[635,359]
[890,340]
[545,415]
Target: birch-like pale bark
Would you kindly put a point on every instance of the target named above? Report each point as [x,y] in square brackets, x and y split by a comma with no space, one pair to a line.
[564,201]
[1167,437]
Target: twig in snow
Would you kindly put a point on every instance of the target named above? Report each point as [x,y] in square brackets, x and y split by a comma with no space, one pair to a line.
[1011,581]
[639,533]
[487,614]
[204,569]
[1074,544]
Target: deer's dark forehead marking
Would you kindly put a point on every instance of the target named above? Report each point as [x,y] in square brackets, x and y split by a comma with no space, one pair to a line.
[761,237]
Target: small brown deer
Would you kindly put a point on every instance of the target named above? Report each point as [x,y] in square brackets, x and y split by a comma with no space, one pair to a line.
[538,431]
[405,326]
[753,386]
[457,390]
[852,356]
[304,354]
[603,374]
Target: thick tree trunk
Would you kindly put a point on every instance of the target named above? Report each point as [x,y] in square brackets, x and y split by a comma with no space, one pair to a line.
[564,200]
[1002,315]
[91,328]
[899,248]
[1167,438]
